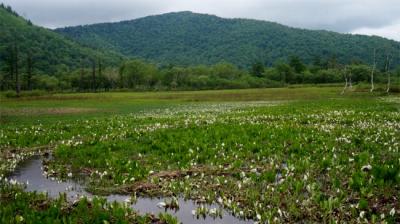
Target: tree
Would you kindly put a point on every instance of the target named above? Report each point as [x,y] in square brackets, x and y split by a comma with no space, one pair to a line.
[285,72]
[94,85]
[332,62]
[257,69]
[373,70]
[317,62]
[345,79]
[359,73]
[226,71]
[100,70]
[121,75]
[10,68]
[296,63]
[15,65]
[387,68]
[82,74]
[137,73]
[29,70]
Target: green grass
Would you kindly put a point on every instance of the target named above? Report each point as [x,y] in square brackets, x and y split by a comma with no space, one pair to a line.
[283,155]
[58,106]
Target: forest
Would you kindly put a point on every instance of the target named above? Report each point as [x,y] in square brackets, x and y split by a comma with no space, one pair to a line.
[35,58]
[137,74]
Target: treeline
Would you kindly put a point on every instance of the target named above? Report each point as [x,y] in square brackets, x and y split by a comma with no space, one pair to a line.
[186,38]
[137,74]
[50,52]
[8,9]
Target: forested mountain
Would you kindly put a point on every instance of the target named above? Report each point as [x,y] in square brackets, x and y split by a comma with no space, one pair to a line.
[187,38]
[47,52]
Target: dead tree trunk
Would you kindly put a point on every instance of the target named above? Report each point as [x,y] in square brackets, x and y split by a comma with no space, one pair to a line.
[81,83]
[387,72]
[99,72]
[350,82]
[121,76]
[345,79]
[17,82]
[29,71]
[10,81]
[94,76]
[373,71]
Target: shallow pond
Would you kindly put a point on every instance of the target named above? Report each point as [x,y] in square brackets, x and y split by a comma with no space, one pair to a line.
[31,173]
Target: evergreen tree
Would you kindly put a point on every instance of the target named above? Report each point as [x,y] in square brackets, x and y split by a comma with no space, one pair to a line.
[257,69]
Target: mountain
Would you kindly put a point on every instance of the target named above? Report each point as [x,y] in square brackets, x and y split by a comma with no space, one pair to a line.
[51,52]
[187,38]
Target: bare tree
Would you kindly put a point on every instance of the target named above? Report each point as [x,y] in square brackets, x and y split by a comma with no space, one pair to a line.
[81,84]
[121,76]
[373,71]
[29,70]
[387,67]
[345,79]
[100,71]
[350,81]
[11,67]
[94,75]
[15,64]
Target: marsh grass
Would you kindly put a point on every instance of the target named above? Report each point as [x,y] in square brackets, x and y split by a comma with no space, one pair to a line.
[289,155]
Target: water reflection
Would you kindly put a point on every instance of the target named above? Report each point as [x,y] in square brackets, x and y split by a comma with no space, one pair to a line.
[31,173]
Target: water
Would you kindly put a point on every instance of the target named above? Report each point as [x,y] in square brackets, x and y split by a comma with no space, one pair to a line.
[30,172]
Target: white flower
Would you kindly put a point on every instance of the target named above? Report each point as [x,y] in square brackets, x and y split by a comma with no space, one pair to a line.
[161,204]
[213,211]
[70,175]
[13,182]
[280,212]
[19,218]
[366,168]
[258,217]
[392,212]
[362,213]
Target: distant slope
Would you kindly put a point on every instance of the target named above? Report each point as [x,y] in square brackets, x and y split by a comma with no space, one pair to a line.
[190,38]
[52,53]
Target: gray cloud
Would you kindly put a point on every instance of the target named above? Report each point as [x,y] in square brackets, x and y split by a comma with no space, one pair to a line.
[348,16]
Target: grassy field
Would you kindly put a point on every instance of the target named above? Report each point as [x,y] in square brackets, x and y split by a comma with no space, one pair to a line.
[271,155]
[89,105]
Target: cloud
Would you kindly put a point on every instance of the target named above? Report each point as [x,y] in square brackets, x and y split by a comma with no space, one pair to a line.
[391,31]
[337,15]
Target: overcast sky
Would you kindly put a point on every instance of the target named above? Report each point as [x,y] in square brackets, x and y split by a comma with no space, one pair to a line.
[372,17]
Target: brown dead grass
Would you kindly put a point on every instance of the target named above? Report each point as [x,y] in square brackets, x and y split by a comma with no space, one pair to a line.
[44,111]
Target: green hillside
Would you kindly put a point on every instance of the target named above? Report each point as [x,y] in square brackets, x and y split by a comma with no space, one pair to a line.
[186,38]
[51,52]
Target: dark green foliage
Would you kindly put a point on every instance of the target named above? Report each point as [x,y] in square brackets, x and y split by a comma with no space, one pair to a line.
[296,63]
[257,69]
[284,71]
[40,51]
[137,73]
[17,206]
[187,38]
[192,51]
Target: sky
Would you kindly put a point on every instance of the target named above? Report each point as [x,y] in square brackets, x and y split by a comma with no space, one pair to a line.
[370,17]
